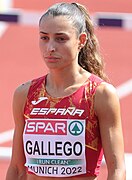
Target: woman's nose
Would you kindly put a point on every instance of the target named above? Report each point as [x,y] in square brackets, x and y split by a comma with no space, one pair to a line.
[51,47]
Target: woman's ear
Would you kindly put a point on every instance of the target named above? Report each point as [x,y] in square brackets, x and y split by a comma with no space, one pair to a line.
[82,40]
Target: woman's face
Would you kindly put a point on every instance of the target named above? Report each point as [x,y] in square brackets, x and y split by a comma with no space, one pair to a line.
[59,44]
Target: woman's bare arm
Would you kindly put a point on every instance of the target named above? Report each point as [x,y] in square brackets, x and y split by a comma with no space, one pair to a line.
[107,108]
[16,168]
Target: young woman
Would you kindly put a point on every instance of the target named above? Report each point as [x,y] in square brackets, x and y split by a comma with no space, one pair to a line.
[67,119]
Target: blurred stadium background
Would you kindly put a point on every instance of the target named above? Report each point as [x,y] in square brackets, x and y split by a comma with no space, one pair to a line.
[20,60]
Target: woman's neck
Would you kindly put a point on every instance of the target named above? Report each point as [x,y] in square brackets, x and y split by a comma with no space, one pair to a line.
[60,83]
[67,77]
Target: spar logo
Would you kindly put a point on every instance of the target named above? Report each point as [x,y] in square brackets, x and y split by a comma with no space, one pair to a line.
[76,128]
[46,126]
[53,127]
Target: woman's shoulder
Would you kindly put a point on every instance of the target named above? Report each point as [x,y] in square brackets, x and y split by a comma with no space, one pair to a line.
[19,99]
[106,89]
[106,97]
[103,87]
[22,89]
[20,94]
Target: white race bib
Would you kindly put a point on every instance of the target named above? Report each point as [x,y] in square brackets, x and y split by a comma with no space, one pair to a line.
[55,147]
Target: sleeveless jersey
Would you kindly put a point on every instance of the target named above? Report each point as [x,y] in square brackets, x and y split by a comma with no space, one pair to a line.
[61,136]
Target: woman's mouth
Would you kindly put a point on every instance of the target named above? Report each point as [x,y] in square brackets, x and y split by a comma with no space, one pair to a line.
[51,58]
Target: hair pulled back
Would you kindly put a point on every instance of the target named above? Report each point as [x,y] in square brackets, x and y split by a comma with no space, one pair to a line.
[89,56]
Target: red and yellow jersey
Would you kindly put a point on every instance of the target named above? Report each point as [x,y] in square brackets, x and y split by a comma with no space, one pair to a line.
[61,135]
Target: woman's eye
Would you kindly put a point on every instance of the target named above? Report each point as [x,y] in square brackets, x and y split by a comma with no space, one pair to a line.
[60,39]
[44,37]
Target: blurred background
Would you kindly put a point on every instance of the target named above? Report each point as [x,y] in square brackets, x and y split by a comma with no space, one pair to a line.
[20,60]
